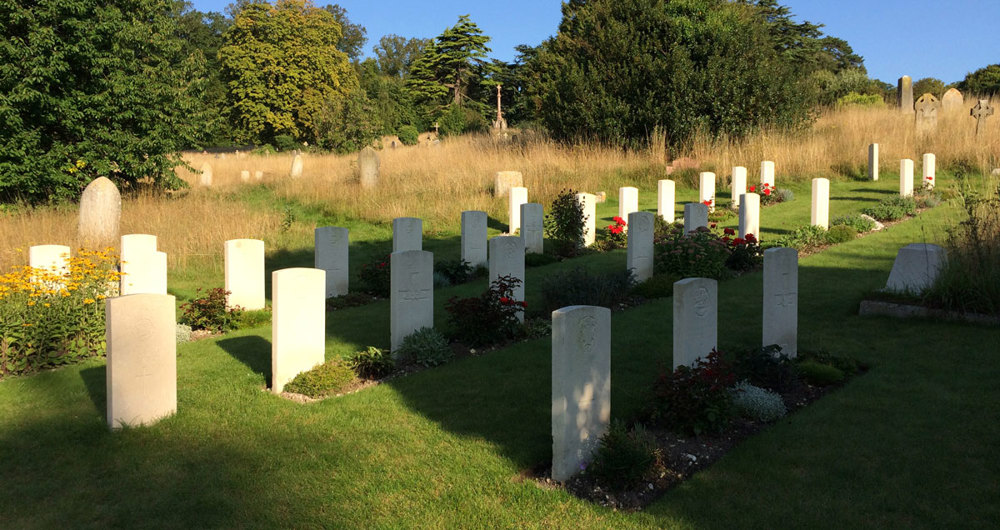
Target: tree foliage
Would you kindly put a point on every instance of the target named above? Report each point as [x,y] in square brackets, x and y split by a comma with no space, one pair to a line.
[982,82]
[929,85]
[395,55]
[446,71]
[92,89]
[803,43]
[353,36]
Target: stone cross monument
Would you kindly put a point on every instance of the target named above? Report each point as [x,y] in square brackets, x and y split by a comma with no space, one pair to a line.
[499,123]
[980,112]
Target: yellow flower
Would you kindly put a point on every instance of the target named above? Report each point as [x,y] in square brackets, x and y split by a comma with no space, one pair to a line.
[88,300]
[31,302]
[46,304]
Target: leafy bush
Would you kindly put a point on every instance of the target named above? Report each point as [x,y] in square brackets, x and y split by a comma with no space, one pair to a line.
[579,287]
[785,195]
[371,363]
[489,318]
[657,286]
[765,367]
[819,374]
[460,119]
[327,379]
[804,237]
[857,222]
[614,236]
[565,223]
[893,208]
[536,328]
[408,134]
[757,403]
[624,457]
[840,234]
[861,100]
[48,319]
[182,332]
[695,400]
[374,277]
[700,254]
[426,347]
[210,312]
[745,252]
[285,142]
[455,270]
[769,194]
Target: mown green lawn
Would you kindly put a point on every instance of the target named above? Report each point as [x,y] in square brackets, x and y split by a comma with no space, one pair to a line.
[912,443]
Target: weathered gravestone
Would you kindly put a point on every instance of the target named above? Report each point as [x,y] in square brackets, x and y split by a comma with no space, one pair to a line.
[296,169]
[906,177]
[474,237]
[258,175]
[820,215]
[738,185]
[916,267]
[665,199]
[781,299]
[904,94]
[51,258]
[639,256]
[532,227]
[100,212]
[695,216]
[927,113]
[518,196]
[298,323]
[245,176]
[368,165]
[581,386]
[873,162]
[244,263]
[749,216]
[628,201]
[411,294]
[952,101]
[980,112]
[507,259]
[141,374]
[696,315]
[929,170]
[205,179]
[706,189]
[407,234]
[503,181]
[590,217]
[767,173]
[331,247]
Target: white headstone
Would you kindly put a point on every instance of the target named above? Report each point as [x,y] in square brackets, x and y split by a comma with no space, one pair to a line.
[258,175]
[143,269]
[873,162]
[134,245]
[665,199]
[245,176]
[628,201]
[706,189]
[916,268]
[407,234]
[781,299]
[141,374]
[639,256]
[749,218]
[518,196]
[331,246]
[695,216]
[368,167]
[767,173]
[503,181]
[245,273]
[507,259]
[474,237]
[696,315]
[51,258]
[738,186]
[411,295]
[589,202]
[906,177]
[296,170]
[205,179]
[581,385]
[533,227]
[820,203]
[100,212]
[158,281]
[930,170]
[298,323]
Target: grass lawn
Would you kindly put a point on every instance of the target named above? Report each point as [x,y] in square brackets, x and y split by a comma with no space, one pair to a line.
[912,443]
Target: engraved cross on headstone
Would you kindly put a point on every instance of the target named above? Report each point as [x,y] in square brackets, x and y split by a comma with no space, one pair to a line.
[927,112]
[980,112]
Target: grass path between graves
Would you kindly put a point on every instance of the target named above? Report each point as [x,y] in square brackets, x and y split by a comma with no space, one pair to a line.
[912,443]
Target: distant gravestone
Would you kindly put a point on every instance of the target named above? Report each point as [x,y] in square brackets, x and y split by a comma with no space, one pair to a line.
[331,247]
[533,228]
[952,101]
[474,235]
[916,267]
[767,173]
[518,196]
[980,112]
[639,256]
[407,234]
[696,315]
[665,200]
[749,216]
[628,201]
[296,169]
[205,179]
[100,212]
[927,112]
[507,259]
[368,168]
[601,196]
[245,176]
[411,295]
[581,386]
[298,323]
[258,175]
[906,177]
[781,299]
[695,216]
[141,374]
[706,189]
[244,263]
[904,94]
[929,170]
[738,185]
[51,258]
[590,217]
[820,215]
[873,162]
[503,181]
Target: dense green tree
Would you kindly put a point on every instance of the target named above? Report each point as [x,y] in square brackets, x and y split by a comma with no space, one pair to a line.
[522,101]
[92,89]
[395,55]
[449,67]
[929,85]
[388,98]
[982,82]
[284,72]
[201,34]
[353,36]
[617,70]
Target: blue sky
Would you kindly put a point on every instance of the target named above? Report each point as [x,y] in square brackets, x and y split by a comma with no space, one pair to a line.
[921,38]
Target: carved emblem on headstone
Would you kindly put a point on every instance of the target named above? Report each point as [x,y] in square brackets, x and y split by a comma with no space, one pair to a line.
[927,112]
[980,112]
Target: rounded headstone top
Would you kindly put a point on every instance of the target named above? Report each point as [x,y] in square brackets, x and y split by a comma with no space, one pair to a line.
[101,185]
[100,211]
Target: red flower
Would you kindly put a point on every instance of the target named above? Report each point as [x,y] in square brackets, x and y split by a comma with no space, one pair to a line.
[707,203]
[751,189]
[726,238]
[739,241]
[751,238]
[767,191]
[524,304]
[928,177]
[618,220]
[504,300]
[729,231]
[615,229]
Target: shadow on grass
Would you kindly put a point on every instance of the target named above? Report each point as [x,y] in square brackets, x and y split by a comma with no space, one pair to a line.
[253,351]
[95,380]
[873,190]
[855,199]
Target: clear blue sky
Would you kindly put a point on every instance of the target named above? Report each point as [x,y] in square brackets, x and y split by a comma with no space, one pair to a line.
[921,38]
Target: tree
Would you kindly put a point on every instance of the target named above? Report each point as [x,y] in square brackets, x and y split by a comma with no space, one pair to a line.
[284,71]
[395,55]
[983,82]
[201,34]
[92,89]
[618,70]
[929,85]
[445,72]
[353,36]
[388,98]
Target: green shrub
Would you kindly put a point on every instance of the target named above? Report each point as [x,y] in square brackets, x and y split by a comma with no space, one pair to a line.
[286,142]
[327,379]
[892,209]
[565,223]
[372,363]
[624,457]
[579,287]
[765,367]
[695,400]
[489,318]
[745,252]
[456,271]
[860,100]
[459,119]
[408,134]
[857,222]
[182,333]
[757,403]
[536,328]
[210,312]
[657,286]
[700,254]
[819,374]
[840,234]
[804,237]
[374,277]
[785,195]
[426,347]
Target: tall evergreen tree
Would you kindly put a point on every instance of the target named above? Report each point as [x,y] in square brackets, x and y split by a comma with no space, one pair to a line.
[443,75]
